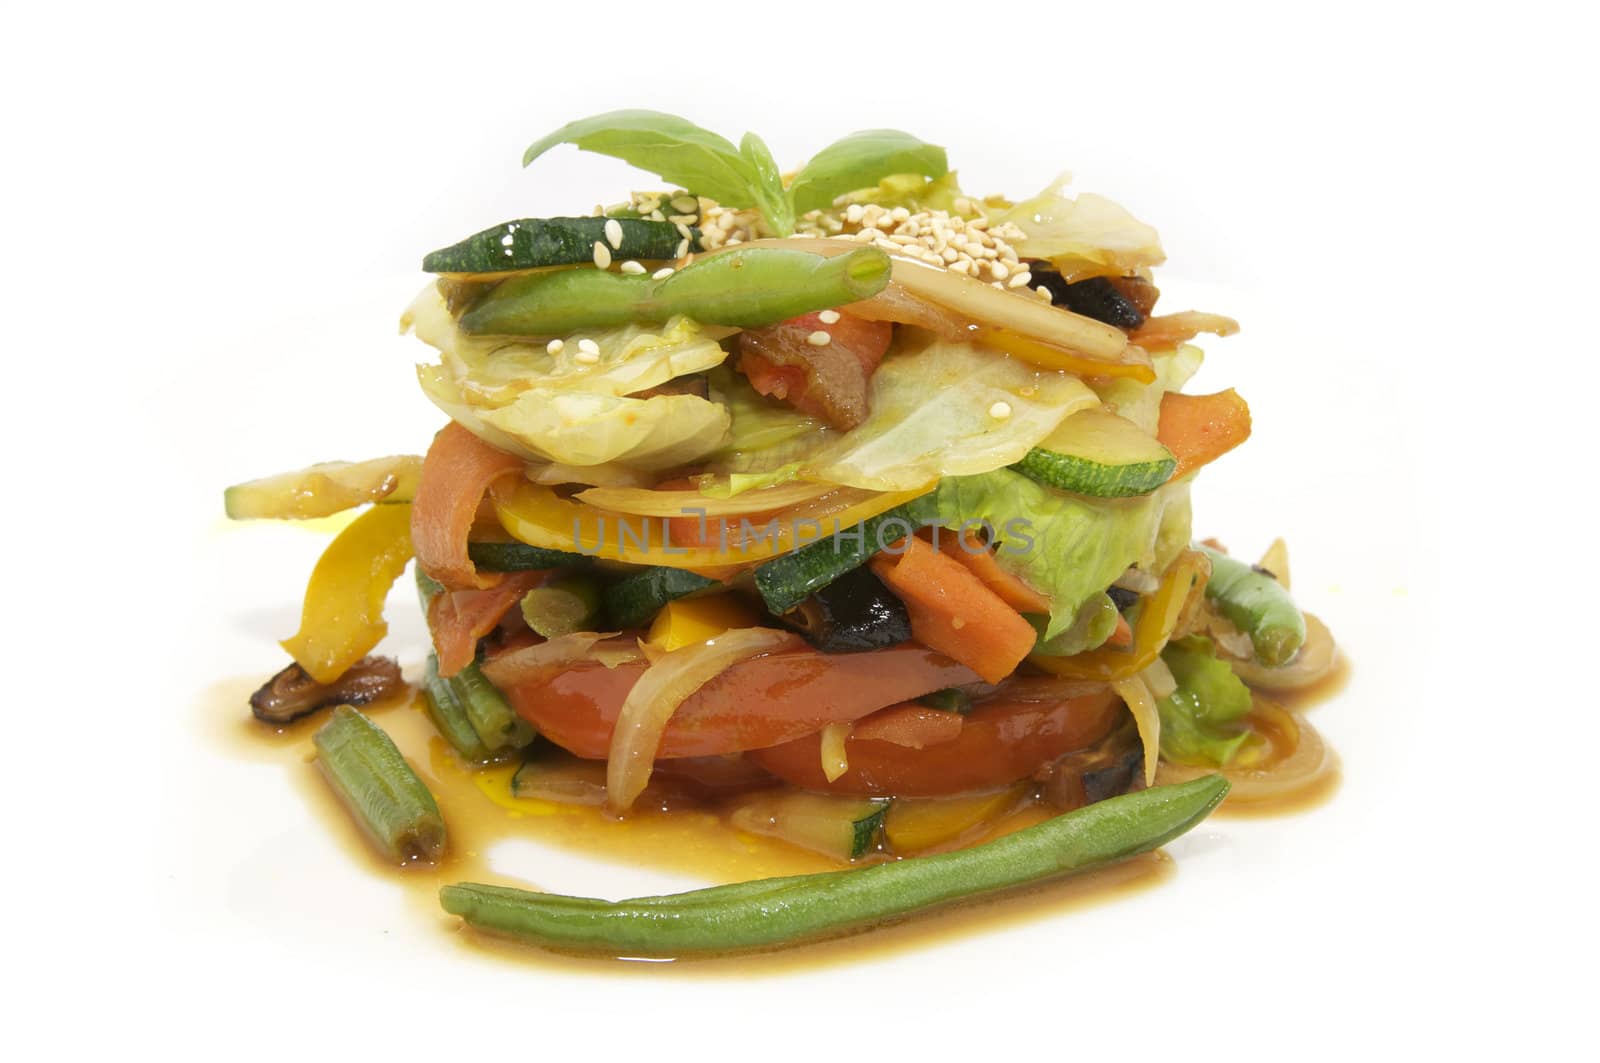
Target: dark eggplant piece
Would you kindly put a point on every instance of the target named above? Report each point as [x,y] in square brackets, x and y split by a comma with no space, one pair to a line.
[1097,297]
[292,693]
[1091,775]
[853,614]
[1122,597]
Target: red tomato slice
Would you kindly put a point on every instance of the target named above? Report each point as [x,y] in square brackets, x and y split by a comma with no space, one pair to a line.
[1024,725]
[757,703]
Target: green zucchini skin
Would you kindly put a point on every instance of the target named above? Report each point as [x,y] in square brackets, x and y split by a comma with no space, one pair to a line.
[520,557]
[634,600]
[1081,476]
[785,582]
[529,243]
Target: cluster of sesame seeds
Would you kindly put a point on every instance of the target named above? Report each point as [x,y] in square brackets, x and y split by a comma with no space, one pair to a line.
[588,352]
[961,244]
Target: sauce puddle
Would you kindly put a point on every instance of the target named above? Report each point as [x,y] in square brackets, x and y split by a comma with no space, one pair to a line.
[481,814]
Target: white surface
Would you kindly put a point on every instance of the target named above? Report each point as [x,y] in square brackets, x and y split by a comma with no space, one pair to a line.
[213,218]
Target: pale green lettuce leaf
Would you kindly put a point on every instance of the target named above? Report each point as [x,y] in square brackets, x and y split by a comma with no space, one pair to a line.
[1201,719]
[931,402]
[1067,547]
[1085,235]
[582,428]
[1141,403]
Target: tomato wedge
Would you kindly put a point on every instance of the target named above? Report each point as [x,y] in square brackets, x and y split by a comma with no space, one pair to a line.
[1026,724]
[760,702]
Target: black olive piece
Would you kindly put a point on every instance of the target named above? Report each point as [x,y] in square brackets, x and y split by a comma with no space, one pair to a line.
[1122,597]
[1096,297]
[853,614]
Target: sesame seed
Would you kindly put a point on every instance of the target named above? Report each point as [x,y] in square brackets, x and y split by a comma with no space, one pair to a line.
[963,266]
[999,271]
[685,204]
[829,317]
[614,233]
[682,219]
[1000,411]
[556,346]
[631,266]
[588,352]
[656,215]
[683,248]
[507,240]
[662,274]
[852,213]
[1019,279]
[819,338]
[602,255]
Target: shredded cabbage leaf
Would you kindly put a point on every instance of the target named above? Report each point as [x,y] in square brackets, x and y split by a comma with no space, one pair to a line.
[1082,236]
[1141,403]
[581,428]
[931,403]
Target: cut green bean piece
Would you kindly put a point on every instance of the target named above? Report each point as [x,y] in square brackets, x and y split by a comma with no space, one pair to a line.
[744,287]
[563,604]
[496,722]
[1257,605]
[449,718]
[786,911]
[379,788]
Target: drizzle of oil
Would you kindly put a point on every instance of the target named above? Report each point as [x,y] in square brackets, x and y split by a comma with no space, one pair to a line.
[687,841]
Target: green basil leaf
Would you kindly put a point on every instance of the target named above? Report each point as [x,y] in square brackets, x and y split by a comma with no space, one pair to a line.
[770,194]
[673,148]
[863,159]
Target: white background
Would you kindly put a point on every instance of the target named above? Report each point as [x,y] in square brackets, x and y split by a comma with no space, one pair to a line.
[212,216]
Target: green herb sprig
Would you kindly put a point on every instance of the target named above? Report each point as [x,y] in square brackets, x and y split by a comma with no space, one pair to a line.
[746,176]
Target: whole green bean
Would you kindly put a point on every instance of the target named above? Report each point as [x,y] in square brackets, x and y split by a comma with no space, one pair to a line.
[743,287]
[379,788]
[1258,605]
[448,717]
[785,911]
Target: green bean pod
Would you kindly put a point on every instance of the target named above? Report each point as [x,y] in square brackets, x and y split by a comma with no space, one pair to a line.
[1258,605]
[379,788]
[448,717]
[497,724]
[742,287]
[786,911]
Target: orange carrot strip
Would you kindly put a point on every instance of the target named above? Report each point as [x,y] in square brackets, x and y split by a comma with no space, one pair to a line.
[953,612]
[458,619]
[1198,429]
[980,560]
[1122,635]
[457,471]
[908,724]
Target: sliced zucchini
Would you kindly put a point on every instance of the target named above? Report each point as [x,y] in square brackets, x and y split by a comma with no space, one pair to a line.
[844,828]
[633,600]
[561,779]
[529,243]
[322,490]
[853,614]
[520,557]
[1099,454]
[785,582]
[921,823]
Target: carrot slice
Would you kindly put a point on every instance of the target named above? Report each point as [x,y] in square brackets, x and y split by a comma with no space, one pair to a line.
[457,471]
[1122,634]
[973,555]
[1199,429]
[910,725]
[953,612]
[458,619]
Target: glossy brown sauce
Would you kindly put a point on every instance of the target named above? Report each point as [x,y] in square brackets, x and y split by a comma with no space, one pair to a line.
[687,841]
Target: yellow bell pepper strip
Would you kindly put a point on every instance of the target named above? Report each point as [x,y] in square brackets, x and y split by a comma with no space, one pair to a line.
[1157,618]
[342,617]
[538,516]
[691,620]
[1049,356]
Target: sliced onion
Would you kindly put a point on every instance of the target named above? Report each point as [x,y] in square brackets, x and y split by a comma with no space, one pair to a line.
[835,761]
[977,302]
[651,503]
[1284,779]
[1276,561]
[1158,677]
[1137,696]
[532,662]
[1316,658]
[664,686]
